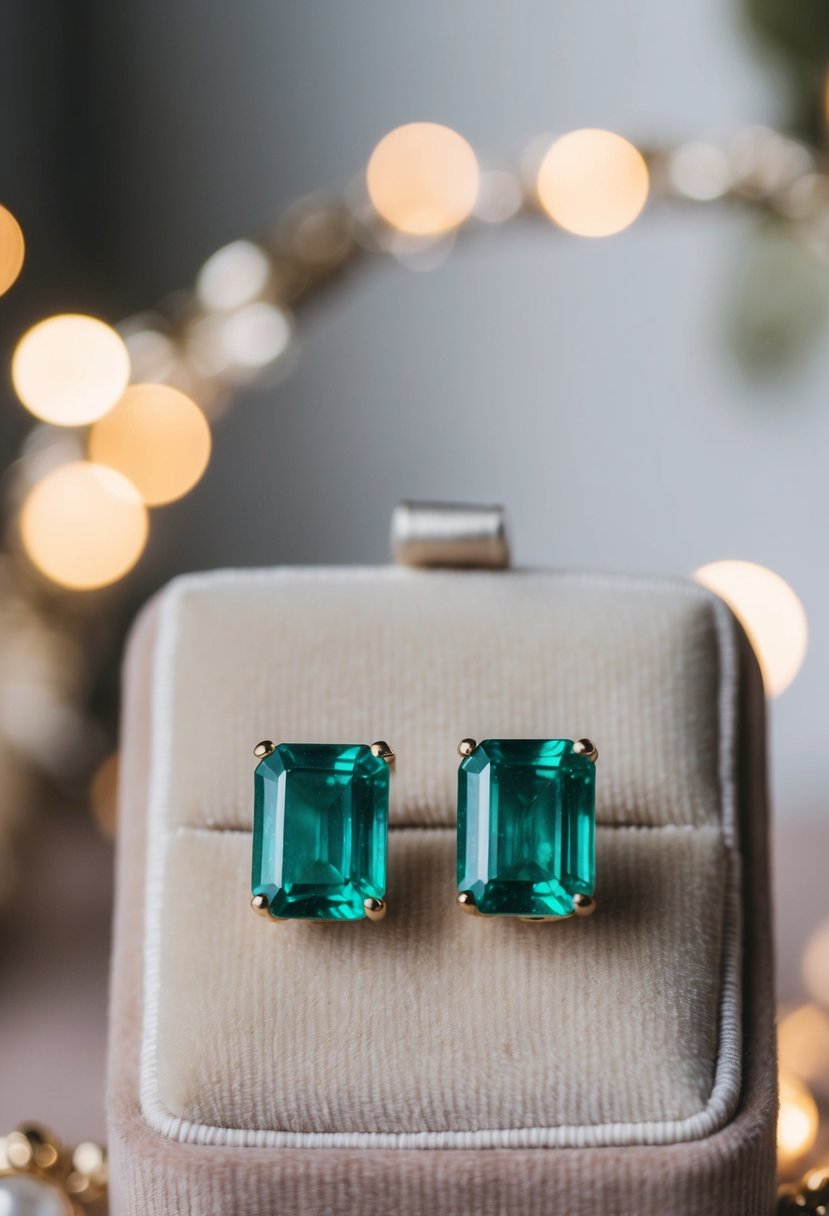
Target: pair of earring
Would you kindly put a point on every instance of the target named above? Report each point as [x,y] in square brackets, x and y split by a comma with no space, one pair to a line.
[526,829]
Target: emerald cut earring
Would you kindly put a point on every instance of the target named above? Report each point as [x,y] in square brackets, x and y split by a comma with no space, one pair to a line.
[526,828]
[320,831]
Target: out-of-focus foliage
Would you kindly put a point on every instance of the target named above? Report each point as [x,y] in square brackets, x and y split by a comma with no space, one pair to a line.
[798,30]
[777,301]
[781,298]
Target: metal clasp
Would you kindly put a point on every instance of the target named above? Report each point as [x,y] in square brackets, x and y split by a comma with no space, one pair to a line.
[449,535]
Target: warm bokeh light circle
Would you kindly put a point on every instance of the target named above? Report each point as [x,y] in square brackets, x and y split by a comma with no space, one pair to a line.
[798,1119]
[70,369]
[12,249]
[803,1034]
[157,437]
[233,276]
[770,612]
[423,179]
[103,794]
[593,182]
[83,526]
[816,964]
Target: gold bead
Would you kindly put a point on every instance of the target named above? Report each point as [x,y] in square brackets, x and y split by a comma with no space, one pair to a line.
[583,747]
[382,750]
[32,1144]
[375,908]
[816,1183]
[19,1150]
[466,903]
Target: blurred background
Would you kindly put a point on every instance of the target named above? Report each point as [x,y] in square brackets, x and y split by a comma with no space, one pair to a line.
[626,343]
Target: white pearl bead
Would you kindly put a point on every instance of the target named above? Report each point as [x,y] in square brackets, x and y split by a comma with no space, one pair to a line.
[21,1195]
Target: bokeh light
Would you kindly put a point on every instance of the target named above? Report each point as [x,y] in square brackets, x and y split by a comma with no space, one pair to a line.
[240,346]
[320,234]
[233,276]
[157,437]
[43,449]
[763,161]
[84,526]
[12,249]
[770,612]
[816,965]
[699,171]
[412,253]
[797,1120]
[103,795]
[422,178]
[500,197]
[593,183]
[70,369]
[154,357]
[803,1041]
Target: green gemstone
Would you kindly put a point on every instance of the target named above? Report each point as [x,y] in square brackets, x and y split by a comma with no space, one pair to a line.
[320,827]
[526,827]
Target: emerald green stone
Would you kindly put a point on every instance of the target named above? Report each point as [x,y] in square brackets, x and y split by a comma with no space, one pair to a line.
[526,827]
[320,827]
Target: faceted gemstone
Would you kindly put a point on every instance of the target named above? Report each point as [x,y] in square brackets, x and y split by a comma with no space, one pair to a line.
[320,826]
[526,825]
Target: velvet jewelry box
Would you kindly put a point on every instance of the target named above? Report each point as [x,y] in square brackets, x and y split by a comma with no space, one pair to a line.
[437,1062]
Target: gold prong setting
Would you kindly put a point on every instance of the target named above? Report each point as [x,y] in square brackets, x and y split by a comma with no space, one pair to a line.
[264,749]
[584,747]
[261,907]
[375,908]
[382,751]
[466,903]
[583,905]
[466,747]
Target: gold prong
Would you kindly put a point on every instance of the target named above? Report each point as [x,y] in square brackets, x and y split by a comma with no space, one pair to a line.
[264,749]
[466,747]
[260,905]
[375,908]
[382,751]
[466,903]
[584,905]
[583,747]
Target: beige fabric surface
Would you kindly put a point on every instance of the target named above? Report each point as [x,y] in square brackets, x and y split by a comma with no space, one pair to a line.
[733,1166]
[541,1051]
[319,1030]
[425,659]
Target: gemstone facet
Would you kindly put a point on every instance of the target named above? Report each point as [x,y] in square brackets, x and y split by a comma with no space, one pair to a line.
[320,830]
[526,827]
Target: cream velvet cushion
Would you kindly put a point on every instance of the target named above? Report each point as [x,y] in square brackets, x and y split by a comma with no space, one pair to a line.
[434,1028]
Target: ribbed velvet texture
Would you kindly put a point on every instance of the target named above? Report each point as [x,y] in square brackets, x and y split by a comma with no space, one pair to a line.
[433,1024]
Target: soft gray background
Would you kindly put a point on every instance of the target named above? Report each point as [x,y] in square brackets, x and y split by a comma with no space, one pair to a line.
[589,386]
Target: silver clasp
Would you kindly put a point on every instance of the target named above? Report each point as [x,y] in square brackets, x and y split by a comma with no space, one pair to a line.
[449,534]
